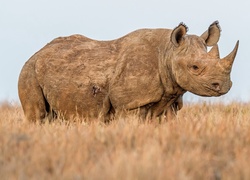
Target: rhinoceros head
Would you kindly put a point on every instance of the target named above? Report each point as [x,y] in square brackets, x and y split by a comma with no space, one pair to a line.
[196,70]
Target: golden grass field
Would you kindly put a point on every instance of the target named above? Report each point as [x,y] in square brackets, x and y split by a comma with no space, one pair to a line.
[206,141]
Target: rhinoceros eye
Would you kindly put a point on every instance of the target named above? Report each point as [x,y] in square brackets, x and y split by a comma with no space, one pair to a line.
[195,67]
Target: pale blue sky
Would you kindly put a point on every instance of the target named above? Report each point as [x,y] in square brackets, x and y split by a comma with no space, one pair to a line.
[27,25]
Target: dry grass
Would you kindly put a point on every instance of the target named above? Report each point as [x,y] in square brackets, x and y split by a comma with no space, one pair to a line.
[204,142]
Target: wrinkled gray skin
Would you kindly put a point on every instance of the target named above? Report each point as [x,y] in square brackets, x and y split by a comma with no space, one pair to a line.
[147,70]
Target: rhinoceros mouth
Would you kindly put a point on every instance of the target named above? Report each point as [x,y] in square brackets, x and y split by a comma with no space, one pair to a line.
[206,92]
[211,91]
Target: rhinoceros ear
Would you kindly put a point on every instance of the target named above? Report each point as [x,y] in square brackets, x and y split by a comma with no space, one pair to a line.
[178,33]
[212,35]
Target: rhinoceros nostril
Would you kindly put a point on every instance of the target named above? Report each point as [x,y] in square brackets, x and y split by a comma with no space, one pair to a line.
[216,86]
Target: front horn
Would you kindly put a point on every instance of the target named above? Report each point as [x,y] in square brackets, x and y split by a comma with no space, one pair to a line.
[229,59]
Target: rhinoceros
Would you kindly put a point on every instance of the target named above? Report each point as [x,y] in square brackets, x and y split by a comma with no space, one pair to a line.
[146,70]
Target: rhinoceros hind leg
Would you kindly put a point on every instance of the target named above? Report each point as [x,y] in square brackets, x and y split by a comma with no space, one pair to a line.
[31,97]
[34,106]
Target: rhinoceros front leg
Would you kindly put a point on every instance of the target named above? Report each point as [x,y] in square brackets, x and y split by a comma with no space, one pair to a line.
[167,108]
[171,111]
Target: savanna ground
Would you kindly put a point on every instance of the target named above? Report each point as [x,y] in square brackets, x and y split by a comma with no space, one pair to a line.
[206,141]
